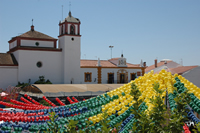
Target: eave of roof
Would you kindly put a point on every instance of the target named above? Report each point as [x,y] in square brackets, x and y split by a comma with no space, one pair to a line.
[180,70]
[104,64]
[33,35]
[34,49]
[7,59]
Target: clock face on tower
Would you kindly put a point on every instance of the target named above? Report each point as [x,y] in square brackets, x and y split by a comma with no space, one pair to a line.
[122,62]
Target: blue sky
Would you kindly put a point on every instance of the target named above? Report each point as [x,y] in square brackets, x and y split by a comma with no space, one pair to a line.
[142,29]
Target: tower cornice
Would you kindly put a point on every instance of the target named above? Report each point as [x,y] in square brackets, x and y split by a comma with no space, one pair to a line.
[69,35]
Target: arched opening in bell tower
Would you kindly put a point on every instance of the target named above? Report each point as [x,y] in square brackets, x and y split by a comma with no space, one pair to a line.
[72,30]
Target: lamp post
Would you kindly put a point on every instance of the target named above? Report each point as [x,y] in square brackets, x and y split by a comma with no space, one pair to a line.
[111,50]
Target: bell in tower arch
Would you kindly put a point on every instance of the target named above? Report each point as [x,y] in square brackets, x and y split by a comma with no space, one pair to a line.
[72,32]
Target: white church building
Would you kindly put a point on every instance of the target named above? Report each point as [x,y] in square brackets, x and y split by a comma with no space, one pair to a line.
[35,54]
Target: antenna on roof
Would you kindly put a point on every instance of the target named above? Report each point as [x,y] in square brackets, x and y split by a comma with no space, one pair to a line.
[70,14]
[32,27]
[32,21]
[62,13]
[181,62]
[69,5]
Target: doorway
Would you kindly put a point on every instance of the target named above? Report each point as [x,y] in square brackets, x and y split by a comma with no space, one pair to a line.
[133,76]
[122,78]
[110,78]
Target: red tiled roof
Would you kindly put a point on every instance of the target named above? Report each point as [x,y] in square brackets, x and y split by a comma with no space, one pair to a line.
[104,63]
[93,63]
[180,70]
[36,34]
[32,34]
[153,66]
[88,63]
[7,59]
[114,61]
[114,58]
[132,65]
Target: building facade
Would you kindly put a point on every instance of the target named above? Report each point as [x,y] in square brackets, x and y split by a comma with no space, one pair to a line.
[35,54]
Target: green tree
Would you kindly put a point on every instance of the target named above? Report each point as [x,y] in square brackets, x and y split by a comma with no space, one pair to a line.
[22,85]
[45,103]
[159,118]
[178,116]
[158,115]
[142,124]
[42,81]
[53,127]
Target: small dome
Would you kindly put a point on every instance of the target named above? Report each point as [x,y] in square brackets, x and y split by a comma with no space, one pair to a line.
[70,18]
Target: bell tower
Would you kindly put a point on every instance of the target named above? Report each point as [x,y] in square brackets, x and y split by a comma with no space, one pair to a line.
[69,42]
[69,26]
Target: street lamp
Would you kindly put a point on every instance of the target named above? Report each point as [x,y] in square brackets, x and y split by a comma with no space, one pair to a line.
[111,50]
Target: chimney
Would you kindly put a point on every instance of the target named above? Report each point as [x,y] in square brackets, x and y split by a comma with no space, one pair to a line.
[141,64]
[98,63]
[32,28]
[144,64]
[155,63]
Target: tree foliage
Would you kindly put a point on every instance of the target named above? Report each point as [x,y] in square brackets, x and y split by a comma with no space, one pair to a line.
[45,103]
[22,85]
[42,80]
[160,118]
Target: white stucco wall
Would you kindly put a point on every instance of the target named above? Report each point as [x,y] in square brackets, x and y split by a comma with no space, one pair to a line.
[76,28]
[41,43]
[13,44]
[133,71]
[63,28]
[71,58]
[94,75]
[51,66]
[105,72]
[8,76]
[16,54]
[68,28]
[60,29]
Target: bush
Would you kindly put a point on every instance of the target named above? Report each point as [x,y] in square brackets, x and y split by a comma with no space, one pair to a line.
[45,103]
[42,81]
[22,85]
